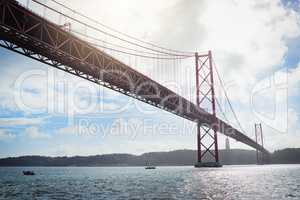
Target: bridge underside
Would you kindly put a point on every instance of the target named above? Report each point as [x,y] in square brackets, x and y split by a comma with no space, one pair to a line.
[29,34]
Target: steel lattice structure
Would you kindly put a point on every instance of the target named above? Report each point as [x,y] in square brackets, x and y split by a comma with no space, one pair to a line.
[259,139]
[29,34]
[205,91]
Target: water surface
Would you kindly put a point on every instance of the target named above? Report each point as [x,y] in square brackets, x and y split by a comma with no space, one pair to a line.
[230,182]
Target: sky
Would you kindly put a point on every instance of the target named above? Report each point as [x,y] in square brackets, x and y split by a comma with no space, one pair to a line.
[255,45]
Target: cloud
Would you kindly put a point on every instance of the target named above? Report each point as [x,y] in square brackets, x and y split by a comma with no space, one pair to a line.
[6,135]
[33,132]
[50,91]
[294,81]
[248,42]
[22,121]
[68,131]
[91,127]
[290,139]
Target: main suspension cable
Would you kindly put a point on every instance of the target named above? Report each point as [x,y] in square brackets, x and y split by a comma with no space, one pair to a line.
[122,47]
[138,55]
[109,34]
[117,31]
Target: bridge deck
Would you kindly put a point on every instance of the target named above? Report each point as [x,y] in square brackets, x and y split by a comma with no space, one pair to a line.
[31,35]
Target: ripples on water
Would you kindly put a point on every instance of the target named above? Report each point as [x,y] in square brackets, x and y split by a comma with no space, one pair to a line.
[230,182]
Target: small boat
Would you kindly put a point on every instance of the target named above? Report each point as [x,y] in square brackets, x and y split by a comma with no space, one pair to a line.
[150,167]
[28,173]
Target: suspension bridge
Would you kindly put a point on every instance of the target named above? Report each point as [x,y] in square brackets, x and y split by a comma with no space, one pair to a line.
[66,39]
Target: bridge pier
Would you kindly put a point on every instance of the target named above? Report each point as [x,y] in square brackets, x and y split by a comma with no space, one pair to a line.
[207,164]
[205,96]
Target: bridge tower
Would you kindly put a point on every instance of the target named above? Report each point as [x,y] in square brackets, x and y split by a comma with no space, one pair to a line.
[207,141]
[261,158]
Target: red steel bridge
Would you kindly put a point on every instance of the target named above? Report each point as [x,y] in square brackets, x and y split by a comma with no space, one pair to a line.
[26,32]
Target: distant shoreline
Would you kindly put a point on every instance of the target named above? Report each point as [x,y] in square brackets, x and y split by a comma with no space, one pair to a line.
[140,166]
[170,158]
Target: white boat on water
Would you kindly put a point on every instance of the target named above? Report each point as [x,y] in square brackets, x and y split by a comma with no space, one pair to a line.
[148,166]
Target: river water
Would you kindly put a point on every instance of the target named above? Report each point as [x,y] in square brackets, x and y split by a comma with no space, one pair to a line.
[230,182]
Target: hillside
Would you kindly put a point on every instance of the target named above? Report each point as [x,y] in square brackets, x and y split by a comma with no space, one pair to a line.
[178,157]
